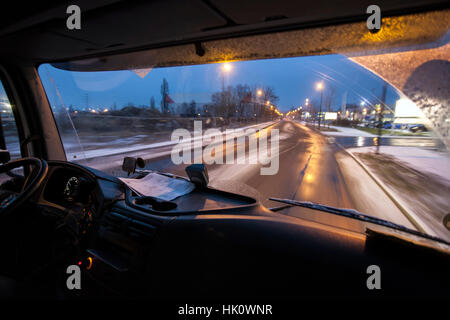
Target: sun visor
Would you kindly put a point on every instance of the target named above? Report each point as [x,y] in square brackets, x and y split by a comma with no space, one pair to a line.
[398,33]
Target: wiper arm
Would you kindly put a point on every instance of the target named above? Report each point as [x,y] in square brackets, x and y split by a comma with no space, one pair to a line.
[350,213]
[339,211]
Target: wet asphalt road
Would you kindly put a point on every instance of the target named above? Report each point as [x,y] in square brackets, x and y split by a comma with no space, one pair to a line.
[309,172]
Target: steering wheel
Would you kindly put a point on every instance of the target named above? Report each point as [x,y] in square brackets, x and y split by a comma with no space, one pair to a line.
[9,199]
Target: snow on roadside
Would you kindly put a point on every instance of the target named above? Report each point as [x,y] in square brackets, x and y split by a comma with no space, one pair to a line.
[347,132]
[417,178]
[360,185]
[113,149]
[352,132]
[423,160]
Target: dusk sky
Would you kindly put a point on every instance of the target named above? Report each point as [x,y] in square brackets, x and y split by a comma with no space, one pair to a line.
[293,79]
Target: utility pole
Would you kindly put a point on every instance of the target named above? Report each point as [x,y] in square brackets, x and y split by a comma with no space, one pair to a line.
[320,86]
[223,81]
[380,116]
[320,106]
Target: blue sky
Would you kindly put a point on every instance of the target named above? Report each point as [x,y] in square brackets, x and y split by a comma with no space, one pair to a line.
[293,79]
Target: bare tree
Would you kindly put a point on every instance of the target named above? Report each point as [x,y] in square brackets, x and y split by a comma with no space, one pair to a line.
[192,108]
[242,93]
[269,95]
[152,102]
[241,101]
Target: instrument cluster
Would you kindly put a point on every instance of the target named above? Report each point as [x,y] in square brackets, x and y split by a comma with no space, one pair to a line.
[67,186]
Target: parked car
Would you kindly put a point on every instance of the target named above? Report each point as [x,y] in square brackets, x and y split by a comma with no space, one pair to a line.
[418,128]
[387,125]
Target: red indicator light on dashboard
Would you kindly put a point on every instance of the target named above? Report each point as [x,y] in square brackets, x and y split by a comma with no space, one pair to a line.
[88,263]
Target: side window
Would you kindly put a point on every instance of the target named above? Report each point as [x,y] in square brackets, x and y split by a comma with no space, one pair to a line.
[9,136]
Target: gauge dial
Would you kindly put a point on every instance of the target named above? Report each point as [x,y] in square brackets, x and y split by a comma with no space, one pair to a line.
[72,189]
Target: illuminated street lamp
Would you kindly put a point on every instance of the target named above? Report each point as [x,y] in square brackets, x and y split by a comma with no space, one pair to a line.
[226,67]
[259,92]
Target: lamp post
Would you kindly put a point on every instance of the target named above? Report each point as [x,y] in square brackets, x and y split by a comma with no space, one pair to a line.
[307,107]
[226,67]
[257,104]
[320,86]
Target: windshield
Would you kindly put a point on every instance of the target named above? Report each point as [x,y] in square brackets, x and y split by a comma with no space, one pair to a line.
[324,129]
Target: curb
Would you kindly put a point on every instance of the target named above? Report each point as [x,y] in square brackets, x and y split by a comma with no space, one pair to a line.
[409,215]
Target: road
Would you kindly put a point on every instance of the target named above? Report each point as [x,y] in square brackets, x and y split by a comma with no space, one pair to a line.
[309,171]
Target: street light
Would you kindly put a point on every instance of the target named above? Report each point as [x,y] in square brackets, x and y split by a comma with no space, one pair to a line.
[226,67]
[320,87]
[259,92]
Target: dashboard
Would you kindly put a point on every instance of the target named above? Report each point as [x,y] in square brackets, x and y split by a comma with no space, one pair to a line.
[213,244]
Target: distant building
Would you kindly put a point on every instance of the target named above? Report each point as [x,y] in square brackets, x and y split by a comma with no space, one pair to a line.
[406,113]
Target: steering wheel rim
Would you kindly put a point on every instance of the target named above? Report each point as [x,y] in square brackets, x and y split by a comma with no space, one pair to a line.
[11,200]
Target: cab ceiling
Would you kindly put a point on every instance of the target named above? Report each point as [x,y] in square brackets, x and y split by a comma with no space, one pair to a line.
[36,32]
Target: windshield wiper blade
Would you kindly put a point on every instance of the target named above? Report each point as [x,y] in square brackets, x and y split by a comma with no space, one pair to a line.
[351,213]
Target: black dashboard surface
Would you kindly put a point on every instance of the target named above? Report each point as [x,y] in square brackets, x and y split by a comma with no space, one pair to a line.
[216,244]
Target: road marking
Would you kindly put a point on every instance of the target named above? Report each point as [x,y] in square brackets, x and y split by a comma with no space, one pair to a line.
[301,175]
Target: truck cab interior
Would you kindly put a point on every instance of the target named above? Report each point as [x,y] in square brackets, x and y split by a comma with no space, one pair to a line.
[209,244]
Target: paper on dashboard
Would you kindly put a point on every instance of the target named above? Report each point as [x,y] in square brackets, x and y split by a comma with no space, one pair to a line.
[159,186]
